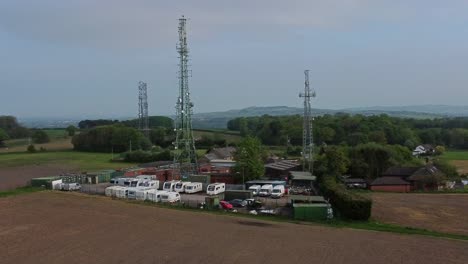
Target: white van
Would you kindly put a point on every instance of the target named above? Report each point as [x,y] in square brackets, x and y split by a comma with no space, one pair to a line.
[194,187]
[170,197]
[278,191]
[149,184]
[169,186]
[180,187]
[215,188]
[266,190]
[255,189]
[154,195]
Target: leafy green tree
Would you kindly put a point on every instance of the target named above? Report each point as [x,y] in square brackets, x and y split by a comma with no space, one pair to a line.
[71,130]
[332,161]
[249,158]
[3,136]
[439,150]
[39,137]
[31,149]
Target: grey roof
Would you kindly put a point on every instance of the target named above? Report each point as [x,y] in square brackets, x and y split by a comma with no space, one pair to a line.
[302,175]
[389,181]
[426,171]
[399,171]
[354,180]
[221,153]
[283,165]
[307,198]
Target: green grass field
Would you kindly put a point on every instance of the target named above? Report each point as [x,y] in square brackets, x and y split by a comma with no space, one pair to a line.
[84,161]
[455,155]
[231,137]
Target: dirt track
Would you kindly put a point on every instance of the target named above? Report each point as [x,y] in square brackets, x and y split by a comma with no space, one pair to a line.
[73,228]
[440,212]
[11,178]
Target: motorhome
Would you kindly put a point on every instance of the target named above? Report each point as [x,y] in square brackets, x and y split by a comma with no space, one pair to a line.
[193,187]
[266,190]
[154,195]
[180,187]
[278,191]
[170,186]
[215,188]
[170,197]
[255,189]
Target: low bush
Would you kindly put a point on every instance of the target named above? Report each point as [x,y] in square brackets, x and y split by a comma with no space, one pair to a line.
[350,205]
[147,156]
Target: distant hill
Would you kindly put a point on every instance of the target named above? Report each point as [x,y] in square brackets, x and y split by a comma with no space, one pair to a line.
[219,119]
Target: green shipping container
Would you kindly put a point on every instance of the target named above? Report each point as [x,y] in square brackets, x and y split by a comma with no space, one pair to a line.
[310,212]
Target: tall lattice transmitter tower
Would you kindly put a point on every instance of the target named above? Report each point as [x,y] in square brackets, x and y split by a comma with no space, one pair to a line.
[307,132]
[185,155]
[143,119]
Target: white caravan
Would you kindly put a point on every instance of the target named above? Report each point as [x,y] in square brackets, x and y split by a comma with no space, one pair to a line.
[266,190]
[170,197]
[154,195]
[146,177]
[278,191]
[121,192]
[149,184]
[255,189]
[215,188]
[194,187]
[131,194]
[180,187]
[169,186]
[110,190]
[142,194]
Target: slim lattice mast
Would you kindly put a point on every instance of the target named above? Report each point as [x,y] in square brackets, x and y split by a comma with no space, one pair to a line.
[307,134]
[185,155]
[143,120]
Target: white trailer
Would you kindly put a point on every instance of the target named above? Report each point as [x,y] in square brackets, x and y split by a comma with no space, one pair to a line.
[215,188]
[109,190]
[154,195]
[255,189]
[170,197]
[194,187]
[169,186]
[131,194]
[266,190]
[57,185]
[278,191]
[180,187]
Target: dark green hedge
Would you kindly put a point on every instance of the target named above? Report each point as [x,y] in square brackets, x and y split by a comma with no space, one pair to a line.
[146,156]
[350,205]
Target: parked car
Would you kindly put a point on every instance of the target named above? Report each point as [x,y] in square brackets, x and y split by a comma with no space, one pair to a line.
[225,205]
[253,204]
[238,203]
[70,187]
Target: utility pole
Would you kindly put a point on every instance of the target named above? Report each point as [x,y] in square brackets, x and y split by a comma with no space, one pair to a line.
[143,119]
[185,157]
[307,132]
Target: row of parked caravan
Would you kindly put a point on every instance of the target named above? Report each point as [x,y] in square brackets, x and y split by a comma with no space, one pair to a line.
[142,194]
[277,191]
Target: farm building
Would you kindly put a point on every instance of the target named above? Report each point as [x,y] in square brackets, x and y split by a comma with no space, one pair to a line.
[281,169]
[406,179]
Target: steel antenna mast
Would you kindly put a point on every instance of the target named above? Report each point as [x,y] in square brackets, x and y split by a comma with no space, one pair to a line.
[307,133]
[143,119]
[185,154]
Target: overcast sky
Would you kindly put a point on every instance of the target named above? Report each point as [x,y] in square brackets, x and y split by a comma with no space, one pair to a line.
[84,58]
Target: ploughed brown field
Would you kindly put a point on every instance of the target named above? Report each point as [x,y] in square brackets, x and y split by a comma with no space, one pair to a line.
[14,177]
[439,212]
[52,227]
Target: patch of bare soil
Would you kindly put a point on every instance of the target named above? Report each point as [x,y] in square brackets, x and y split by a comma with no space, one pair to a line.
[14,177]
[52,227]
[439,212]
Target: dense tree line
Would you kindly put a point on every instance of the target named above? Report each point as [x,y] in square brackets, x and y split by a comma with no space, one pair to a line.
[154,122]
[117,138]
[352,130]
[12,128]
